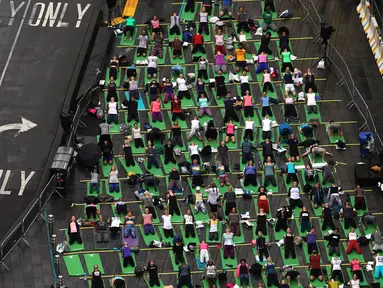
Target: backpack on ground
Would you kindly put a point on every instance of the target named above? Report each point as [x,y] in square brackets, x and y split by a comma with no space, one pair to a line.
[132,179]
[139,271]
[307,188]
[340,145]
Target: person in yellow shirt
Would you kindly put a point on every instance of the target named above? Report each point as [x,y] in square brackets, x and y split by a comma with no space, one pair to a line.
[240,54]
[333,284]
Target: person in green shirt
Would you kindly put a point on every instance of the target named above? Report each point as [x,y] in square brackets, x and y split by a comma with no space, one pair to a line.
[268,22]
[286,60]
[130,25]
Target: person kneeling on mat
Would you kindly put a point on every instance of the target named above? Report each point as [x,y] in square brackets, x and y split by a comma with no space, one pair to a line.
[378,264]
[130,228]
[147,222]
[153,274]
[250,174]
[228,244]
[127,256]
[184,276]
[203,252]
[315,267]
[118,282]
[294,196]
[199,204]
[210,272]
[102,230]
[189,224]
[282,217]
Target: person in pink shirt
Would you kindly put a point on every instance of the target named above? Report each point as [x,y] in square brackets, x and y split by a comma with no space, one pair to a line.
[262,63]
[248,105]
[204,252]
[220,63]
[74,232]
[155,110]
[266,81]
[242,272]
[230,127]
[155,25]
[356,270]
[147,222]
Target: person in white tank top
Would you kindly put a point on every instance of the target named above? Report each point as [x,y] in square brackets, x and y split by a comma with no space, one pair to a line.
[112,111]
[378,263]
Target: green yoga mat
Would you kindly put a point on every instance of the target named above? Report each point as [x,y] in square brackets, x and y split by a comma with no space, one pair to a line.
[279,235]
[135,169]
[93,193]
[115,195]
[119,77]
[75,246]
[177,60]
[190,239]
[129,42]
[121,216]
[162,234]
[155,286]
[156,171]
[190,102]
[228,261]
[177,218]
[274,34]
[129,269]
[189,16]
[252,189]
[169,166]
[290,260]
[360,212]
[199,216]
[353,254]
[312,115]
[173,260]
[91,260]
[316,283]
[171,37]
[335,137]
[240,239]
[273,139]
[160,125]
[220,232]
[192,189]
[73,265]
[106,168]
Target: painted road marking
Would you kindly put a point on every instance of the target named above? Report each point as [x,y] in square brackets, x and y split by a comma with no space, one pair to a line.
[130,8]
[24,126]
[23,181]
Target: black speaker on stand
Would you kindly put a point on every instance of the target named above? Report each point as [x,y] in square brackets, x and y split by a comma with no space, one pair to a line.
[61,168]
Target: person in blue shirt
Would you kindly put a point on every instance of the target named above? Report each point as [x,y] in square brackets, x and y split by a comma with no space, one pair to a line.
[118,282]
[291,172]
[265,103]
[285,131]
[250,174]
[226,8]
[230,110]
[307,130]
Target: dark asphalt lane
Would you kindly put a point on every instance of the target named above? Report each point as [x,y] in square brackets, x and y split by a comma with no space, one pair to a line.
[39,49]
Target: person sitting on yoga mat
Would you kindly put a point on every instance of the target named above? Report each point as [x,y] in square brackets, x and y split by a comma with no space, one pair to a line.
[290,114]
[203,22]
[210,272]
[133,108]
[261,246]
[333,242]
[240,56]
[378,264]
[155,110]
[262,63]
[147,201]
[315,267]
[112,111]
[245,85]
[189,224]
[184,276]
[94,181]
[171,199]
[271,273]
[130,227]
[334,128]
[151,156]
[290,273]
[158,45]
[175,135]
[223,154]
[102,230]
[347,214]
[318,194]
[202,68]
[307,130]
[183,90]
[267,18]
[248,110]
[222,176]
[282,218]
[336,269]
[356,269]
[376,240]
[130,25]
[289,244]
[234,222]
[327,217]
[311,240]
[230,136]
[242,21]
[242,272]
[96,278]
[178,252]
[247,147]
[267,149]
[176,109]
[265,103]
[291,171]
[304,220]
[152,269]
[176,45]
[360,202]
[118,282]
[352,242]
[175,180]
[169,153]
[193,149]
[284,42]
[288,82]
[113,181]
[264,46]
[317,150]
[203,104]
[213,227]
[142,44]
[126,149]
[219,45]
[266,128]
[263,203]
[112,90]
[197,43]
[294,196]
[127,256]
[250,174]
[228,244]
[269,168]
[113,68]
[190,6]
[174,27]
[229,198]
[198,200]
[74,231]
[136,132]
[220,85]
[230,113]
[311,102]
[213,197]
[167,222]
[152,67]
[309,81]
[266,82]
[293,148]
[169,90]
[226,8]
[286,61]
[261,224]
[147,222]
[204,252]
[309,173]
[197,178]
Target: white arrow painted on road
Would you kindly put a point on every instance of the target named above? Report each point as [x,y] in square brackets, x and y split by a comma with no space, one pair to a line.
[24,126]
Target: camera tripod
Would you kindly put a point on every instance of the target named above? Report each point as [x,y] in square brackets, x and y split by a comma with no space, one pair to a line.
[325,58]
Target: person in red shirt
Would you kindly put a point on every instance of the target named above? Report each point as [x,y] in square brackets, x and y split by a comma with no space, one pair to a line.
[315,270]
[176,109]
[177,47]
[197,42]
